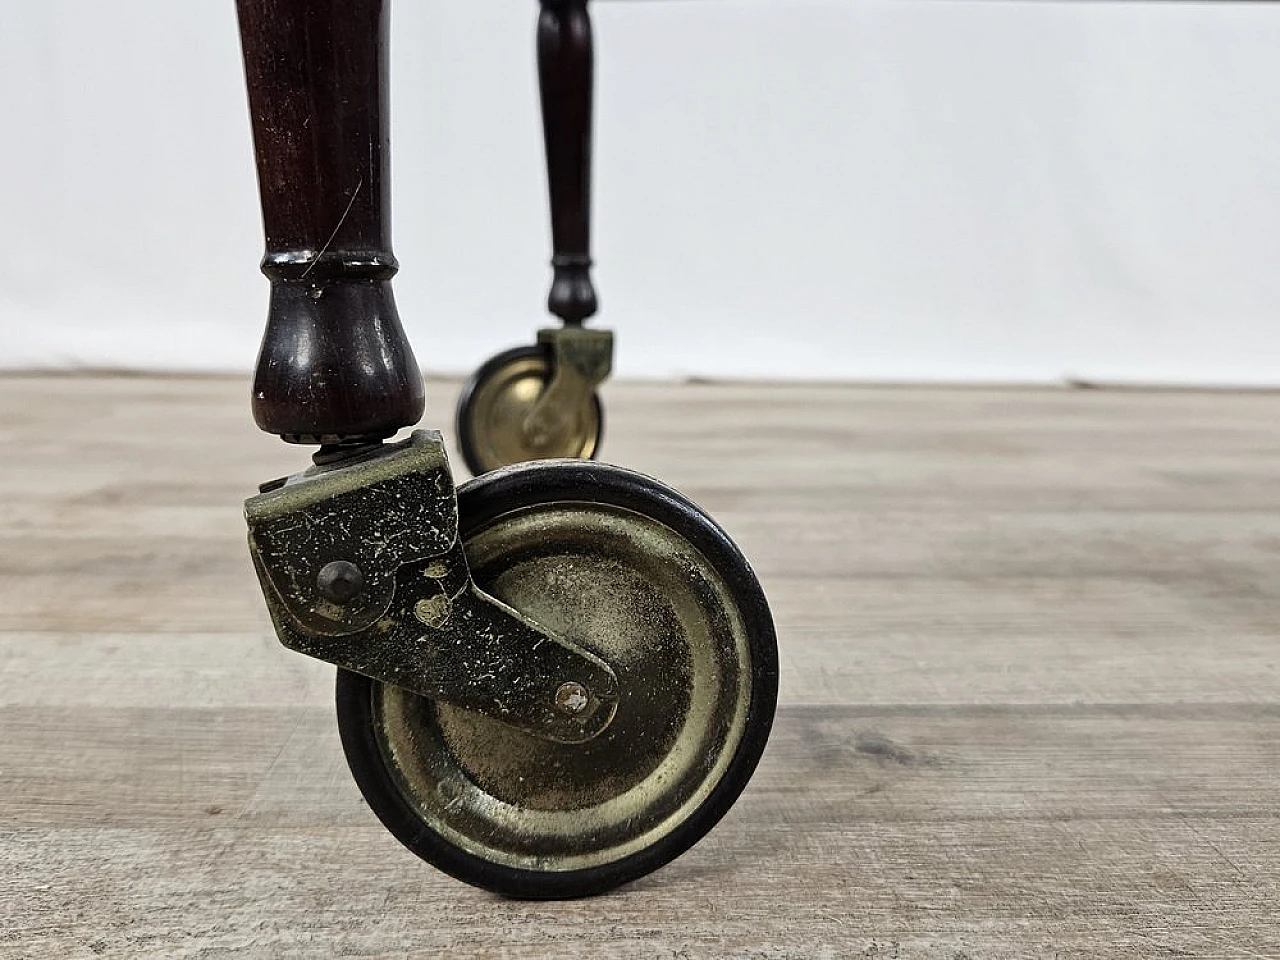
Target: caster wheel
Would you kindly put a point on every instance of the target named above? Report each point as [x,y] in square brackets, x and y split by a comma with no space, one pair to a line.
[637,574]
[495,402]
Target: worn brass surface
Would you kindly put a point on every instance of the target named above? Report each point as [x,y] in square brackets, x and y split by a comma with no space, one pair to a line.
[535,409]
[377,513]
[416,618]
[580,361]
[632,591]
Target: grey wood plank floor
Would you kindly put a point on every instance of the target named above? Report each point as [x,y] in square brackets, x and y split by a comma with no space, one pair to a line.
[1030,700]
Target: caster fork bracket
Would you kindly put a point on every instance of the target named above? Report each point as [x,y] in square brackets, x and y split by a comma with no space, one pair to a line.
[580,361]
[362,566]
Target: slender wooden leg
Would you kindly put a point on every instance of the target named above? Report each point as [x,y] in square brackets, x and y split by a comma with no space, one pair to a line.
[335,365]
[565,73]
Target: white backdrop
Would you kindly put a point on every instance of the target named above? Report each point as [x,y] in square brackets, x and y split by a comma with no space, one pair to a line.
[872,189]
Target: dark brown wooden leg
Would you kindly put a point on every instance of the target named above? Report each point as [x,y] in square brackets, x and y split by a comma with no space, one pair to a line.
[335,365]
[565,73]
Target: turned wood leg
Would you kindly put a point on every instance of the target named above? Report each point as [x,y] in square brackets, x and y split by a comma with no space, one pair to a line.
[335,365]
[565,74]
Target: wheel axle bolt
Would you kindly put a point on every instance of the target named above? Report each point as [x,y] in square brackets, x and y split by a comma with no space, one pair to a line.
[572,698]
[339,581]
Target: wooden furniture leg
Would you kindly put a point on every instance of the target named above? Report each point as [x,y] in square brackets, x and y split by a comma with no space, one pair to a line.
[335,365]
[566,74]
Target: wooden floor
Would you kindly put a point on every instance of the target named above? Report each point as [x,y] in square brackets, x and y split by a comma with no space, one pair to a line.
[1030,689]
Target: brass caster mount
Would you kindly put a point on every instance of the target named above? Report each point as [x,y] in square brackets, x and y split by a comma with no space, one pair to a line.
[551,681]
[537,402]
[362,564]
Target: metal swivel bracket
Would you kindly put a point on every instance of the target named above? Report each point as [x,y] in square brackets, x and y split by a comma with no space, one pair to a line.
[580,361]
[361,566]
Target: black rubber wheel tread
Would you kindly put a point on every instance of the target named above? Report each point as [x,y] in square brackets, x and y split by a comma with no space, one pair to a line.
[487,370]
[483,501]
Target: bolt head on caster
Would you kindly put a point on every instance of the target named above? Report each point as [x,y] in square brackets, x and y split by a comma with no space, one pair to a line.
[536,402]
[588,704]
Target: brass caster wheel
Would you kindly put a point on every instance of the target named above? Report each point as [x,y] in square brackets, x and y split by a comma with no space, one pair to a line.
[639,576]
[493,415]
